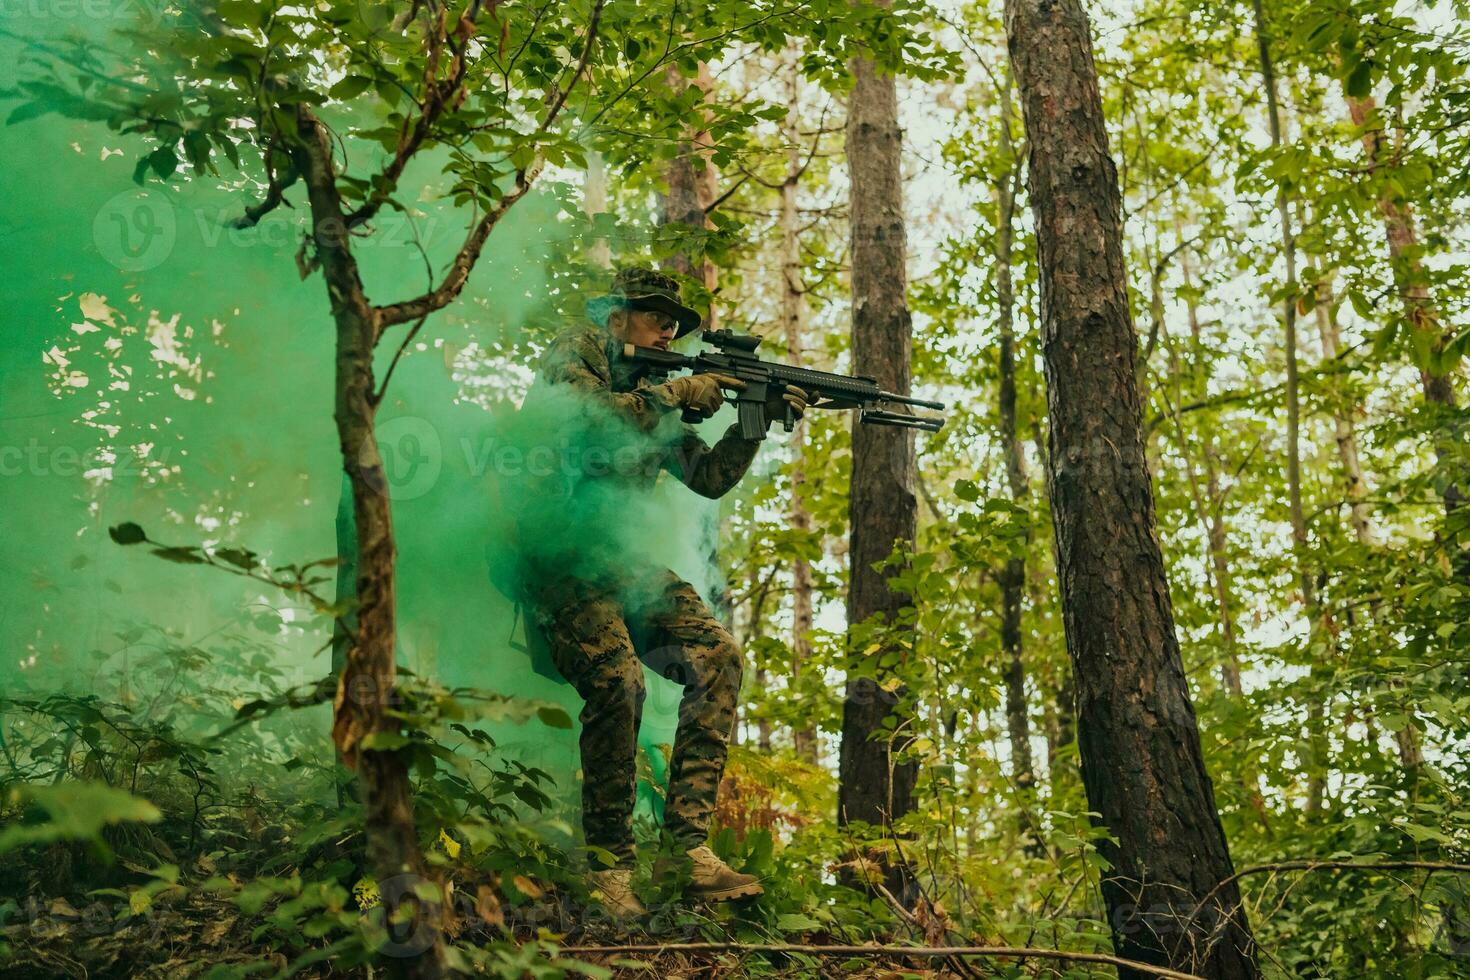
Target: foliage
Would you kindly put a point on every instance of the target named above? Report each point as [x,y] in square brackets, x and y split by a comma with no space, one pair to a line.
[188,785]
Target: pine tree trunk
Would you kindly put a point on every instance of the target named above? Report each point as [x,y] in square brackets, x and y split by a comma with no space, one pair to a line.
[793,322]
[882,507]
[1139,740]
[366,685]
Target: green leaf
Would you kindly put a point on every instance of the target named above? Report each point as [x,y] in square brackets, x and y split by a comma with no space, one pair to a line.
[796,922]
[127,533]
[553,717]
[28,110]
[164,162]
[1360,303]
[239,557]
[966,490]
[385,741]
[76,811]
[1360,81]
[350,87]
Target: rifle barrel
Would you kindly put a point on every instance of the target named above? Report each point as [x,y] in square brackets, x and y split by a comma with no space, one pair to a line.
[889,396]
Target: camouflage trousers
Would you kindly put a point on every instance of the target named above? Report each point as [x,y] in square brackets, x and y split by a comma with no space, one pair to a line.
[599,639]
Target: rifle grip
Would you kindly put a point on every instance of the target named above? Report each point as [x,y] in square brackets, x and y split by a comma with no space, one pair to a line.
[691,416]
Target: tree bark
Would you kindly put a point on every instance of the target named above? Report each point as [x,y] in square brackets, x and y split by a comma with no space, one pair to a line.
[366,684]
[874,786]
[793,324]
[1141,760]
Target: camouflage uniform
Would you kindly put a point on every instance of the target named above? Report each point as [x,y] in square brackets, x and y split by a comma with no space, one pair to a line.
[600,626]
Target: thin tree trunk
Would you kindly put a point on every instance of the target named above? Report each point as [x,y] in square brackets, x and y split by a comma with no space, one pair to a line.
[1408,274]
[1344,432]
[366,685]
[1013,575]
[691,180]
[793,322]
[1141,760]
[1209,504]
[874,787]
[1316,761]
[344,626]
[1215,537]
[595,203]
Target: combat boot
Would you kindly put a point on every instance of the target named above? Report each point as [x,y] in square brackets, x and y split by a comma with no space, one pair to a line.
[715,881]
[614,889]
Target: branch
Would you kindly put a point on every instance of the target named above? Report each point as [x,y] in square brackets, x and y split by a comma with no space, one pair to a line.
[437,97]
[670,50]
[1329,866]
[275,196]
[388,375]
[726,196]
[925,952]
[1336,365]
[469,253]
[561,98]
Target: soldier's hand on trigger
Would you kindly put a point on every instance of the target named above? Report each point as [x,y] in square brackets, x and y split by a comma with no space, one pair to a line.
[701,392]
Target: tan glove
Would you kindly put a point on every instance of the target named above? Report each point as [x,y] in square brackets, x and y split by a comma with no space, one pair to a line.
[796,399]
[701,392]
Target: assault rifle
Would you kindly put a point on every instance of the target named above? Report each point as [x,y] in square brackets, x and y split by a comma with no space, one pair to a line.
[765,380]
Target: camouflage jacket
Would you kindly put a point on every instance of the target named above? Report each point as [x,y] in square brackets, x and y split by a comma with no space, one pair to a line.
[653,438]
[614,393]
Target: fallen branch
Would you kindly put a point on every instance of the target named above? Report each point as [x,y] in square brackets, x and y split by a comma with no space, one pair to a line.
[1329,866]
[926,952]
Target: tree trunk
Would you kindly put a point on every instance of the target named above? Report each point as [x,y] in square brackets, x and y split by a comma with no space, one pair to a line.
[882,508]
[793,322]
[1344,431]
[1214,499]
[1408,274]
[1168,893]
[1013,575]
[691,180]
[599,253]
[1209,506]
[1316,756]
[366,685]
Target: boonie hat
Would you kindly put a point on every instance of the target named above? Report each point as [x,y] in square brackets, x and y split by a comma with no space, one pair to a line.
[639,288]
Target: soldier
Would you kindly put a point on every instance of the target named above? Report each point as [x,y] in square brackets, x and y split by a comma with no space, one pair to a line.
[618,610]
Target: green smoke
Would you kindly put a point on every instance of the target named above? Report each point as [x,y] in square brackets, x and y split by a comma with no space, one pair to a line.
[162,367]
